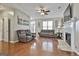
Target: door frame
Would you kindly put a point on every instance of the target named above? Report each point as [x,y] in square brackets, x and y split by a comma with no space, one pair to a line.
[9,29]
[2,29]
[9,24]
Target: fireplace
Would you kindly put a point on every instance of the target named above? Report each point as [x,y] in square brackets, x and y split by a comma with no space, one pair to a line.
[68,38]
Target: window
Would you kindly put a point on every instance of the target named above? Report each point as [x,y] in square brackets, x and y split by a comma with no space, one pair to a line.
[50,25]
[32,26]
[47,25]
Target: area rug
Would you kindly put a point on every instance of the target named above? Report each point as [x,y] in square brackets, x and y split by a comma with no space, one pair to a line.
[64,46]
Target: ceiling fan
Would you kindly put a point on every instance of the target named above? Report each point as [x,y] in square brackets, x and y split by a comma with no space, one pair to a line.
[43,10]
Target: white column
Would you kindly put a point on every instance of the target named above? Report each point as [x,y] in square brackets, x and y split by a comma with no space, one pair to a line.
[6,29]
[73,35]
[64,37]
[64,32]
[36,24]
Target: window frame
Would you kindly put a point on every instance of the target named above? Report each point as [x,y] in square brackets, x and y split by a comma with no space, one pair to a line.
[47,25]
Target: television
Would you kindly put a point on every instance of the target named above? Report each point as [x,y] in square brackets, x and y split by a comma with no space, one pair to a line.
[68,13]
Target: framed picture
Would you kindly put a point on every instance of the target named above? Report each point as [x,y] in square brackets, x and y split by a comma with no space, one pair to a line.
[68,13]
[22,21]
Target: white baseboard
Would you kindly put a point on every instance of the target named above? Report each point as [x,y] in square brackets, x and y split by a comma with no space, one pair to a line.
[76,52]
[5,40]
[64,46]
[0,40]
[14,41]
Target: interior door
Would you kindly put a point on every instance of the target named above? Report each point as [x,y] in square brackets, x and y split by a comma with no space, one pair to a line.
[6,29]
[1,29]
[4,34]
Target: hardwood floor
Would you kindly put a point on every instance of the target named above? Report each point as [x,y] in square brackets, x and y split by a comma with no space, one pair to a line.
[40,47]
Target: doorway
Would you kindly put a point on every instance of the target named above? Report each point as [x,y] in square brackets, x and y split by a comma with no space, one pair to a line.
[5,29]
[1,29]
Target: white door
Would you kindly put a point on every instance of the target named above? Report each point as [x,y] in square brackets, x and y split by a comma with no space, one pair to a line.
[6,29]
[1,29]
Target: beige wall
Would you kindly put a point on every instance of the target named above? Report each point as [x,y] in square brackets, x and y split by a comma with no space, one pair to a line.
[16,25]
[75,10]
[24,17]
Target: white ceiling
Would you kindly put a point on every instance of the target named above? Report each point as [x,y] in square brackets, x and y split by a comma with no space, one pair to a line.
[30,9]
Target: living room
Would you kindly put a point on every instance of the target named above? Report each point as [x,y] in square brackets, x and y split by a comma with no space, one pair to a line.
[17,17]
[42,24]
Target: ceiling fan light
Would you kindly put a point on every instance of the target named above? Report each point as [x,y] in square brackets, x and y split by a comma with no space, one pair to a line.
[42,13]
[39,11]
[45,9]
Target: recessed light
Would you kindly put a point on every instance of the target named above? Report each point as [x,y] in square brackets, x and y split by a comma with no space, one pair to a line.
[59,7]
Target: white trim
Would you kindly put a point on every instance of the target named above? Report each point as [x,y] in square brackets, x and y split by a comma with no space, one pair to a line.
[14,41]
[64,46]
[76,52]
[5,40]
[0,40]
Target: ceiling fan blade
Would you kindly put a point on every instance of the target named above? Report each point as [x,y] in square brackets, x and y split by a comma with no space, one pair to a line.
[45,13]
[47,10]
